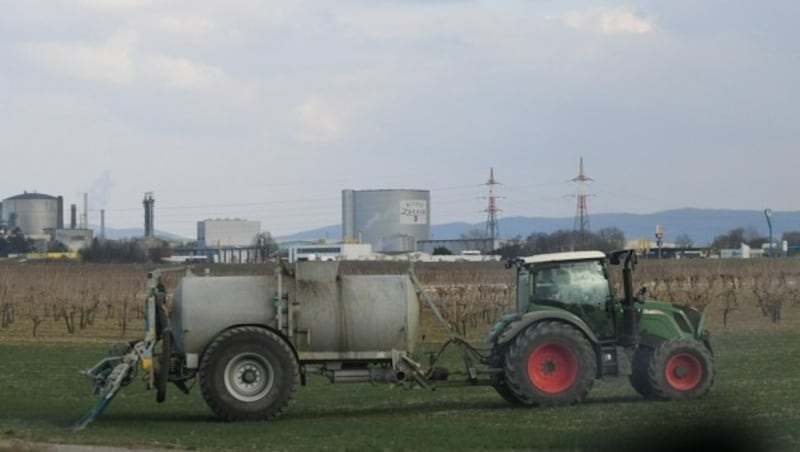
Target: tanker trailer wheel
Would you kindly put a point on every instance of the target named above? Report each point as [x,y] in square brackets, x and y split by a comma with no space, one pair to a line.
[499,379]
[248,374]
[550,363]
[639,376]
[681,369]
[161,364]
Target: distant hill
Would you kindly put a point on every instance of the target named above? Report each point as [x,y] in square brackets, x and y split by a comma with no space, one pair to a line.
[333,233]
[701,225]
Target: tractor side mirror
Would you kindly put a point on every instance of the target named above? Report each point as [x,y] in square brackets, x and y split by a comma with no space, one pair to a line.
[641,295]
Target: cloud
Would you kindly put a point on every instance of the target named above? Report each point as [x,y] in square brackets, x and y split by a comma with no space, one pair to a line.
[110,61]
[608,21]
[184,25]
[316,121]
[394,24]
[179,72]
[196,29]
[117,4]
[119,60]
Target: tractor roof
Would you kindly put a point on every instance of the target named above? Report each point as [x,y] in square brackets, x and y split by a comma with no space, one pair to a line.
[568,256]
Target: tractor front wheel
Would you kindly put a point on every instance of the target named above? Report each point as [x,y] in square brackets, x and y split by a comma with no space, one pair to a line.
[248,374]
[681,369]
[550,363]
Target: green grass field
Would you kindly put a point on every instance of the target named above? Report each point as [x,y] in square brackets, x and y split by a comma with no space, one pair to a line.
[754,405]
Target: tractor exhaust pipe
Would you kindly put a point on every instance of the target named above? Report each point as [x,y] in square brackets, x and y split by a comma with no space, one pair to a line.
[630,319]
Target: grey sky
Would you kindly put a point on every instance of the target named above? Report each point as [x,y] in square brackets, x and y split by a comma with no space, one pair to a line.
[267,110]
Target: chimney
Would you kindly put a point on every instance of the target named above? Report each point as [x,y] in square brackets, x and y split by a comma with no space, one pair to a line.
[60,213]
[148,214]
[73,212]
[85,220]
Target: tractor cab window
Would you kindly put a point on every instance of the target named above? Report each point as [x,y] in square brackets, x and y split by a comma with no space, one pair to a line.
[579,287]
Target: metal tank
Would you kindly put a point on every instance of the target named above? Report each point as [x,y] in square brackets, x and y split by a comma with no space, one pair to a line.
[392,221]
[33,213]
[325,315]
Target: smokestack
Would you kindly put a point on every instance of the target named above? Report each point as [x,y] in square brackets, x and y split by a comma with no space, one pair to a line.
[85,220]
[73,212]
[148,214]
[60,214]
[103,224]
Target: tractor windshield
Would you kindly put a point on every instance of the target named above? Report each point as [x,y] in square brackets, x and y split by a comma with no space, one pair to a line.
[580,287]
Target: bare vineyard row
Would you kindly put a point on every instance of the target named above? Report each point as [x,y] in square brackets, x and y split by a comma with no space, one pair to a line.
[770,283]
[74,298]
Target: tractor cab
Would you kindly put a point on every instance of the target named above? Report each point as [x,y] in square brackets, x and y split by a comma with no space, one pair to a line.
[576,282]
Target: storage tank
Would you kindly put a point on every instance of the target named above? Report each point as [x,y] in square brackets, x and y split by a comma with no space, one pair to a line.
[392,221]
[333,316]
[33,213]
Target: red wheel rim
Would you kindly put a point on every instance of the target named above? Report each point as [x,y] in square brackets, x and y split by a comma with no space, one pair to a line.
[683,371]
[552,367]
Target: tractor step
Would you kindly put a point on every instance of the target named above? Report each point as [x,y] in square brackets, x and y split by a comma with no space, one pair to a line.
[615,362]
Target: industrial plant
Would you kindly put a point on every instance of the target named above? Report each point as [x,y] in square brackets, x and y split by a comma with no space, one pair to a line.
[40,218]
[376,224]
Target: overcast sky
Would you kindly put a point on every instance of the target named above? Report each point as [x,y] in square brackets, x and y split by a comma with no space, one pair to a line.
[266,110]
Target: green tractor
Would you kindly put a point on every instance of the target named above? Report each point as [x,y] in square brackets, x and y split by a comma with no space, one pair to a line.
[570,329]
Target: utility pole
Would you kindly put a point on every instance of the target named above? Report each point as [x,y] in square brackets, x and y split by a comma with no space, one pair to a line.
[581,224]
[768,214]
[659,238]
[492,231]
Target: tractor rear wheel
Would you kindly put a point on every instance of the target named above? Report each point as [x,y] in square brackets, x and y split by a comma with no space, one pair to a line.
[550,363]
[639,376]
[681,369]
[499,379]
[248,374]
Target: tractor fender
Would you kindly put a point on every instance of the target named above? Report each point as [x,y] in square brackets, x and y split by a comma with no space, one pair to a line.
[521,322]
[650,340]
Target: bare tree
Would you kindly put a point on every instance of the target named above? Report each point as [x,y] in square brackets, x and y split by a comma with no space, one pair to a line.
[683,240]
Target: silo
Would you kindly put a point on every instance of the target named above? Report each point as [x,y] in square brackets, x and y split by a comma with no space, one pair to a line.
[392,221]
[32,213]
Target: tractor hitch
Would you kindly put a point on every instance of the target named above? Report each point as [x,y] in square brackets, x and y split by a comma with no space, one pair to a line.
[119,368]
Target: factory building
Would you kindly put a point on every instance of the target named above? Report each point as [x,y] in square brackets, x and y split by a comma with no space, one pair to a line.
[74,239]
[332,252]
[460,246]
[35,214]
[392,221]
[227,233]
